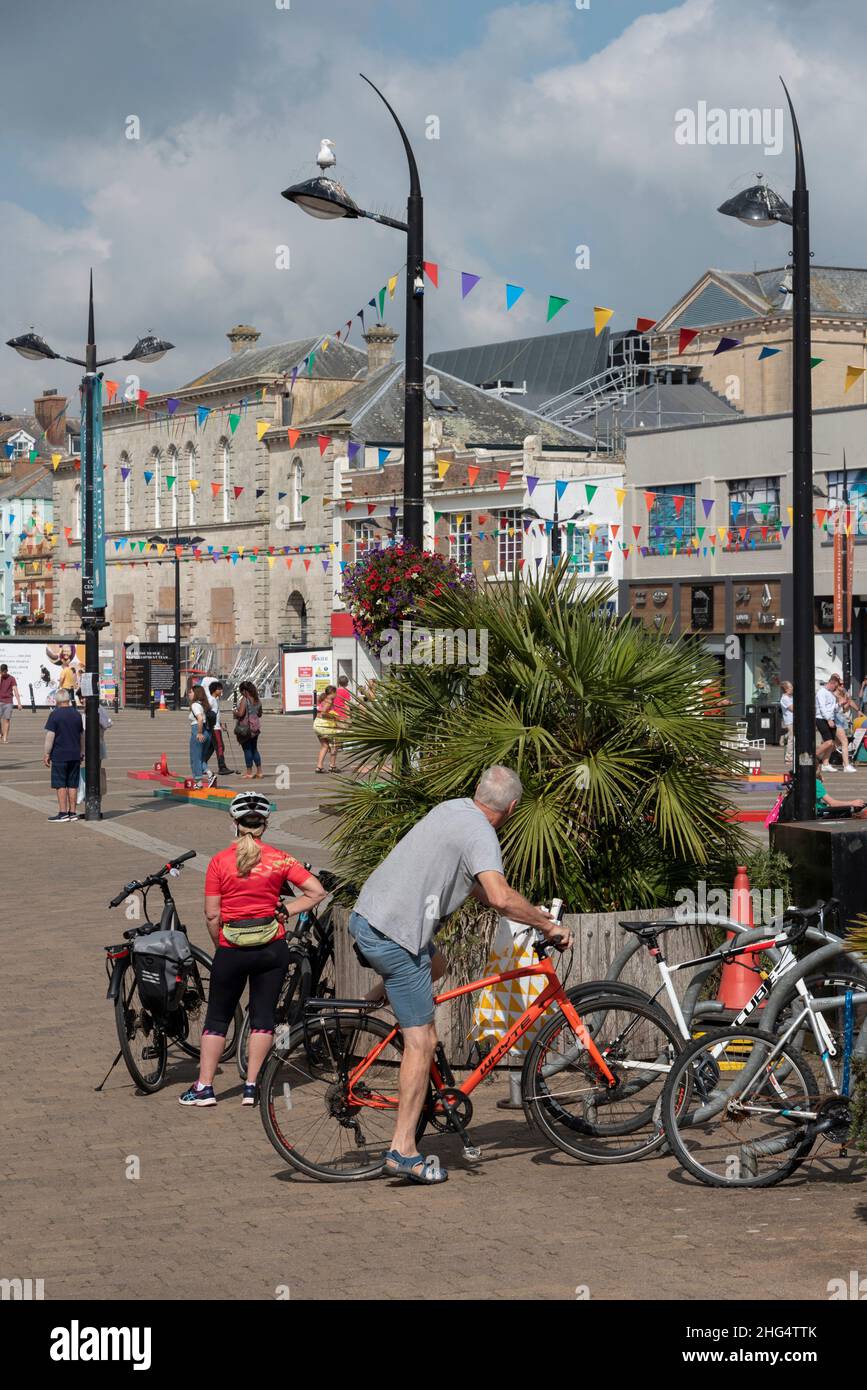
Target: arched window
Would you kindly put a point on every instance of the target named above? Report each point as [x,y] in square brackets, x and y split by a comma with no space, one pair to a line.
[126,490]
[76,512]
[156,468]
[297,483]
[295,621]
[191,478]
[225,474]
[173,471]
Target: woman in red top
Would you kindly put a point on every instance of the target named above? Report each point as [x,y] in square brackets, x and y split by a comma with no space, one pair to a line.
[243,885]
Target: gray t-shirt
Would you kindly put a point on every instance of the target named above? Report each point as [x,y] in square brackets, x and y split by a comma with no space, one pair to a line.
[430,873]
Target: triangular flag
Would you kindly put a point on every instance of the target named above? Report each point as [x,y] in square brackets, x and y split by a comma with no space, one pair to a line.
[110,390]
[707,504]
[142,397]
[644,325]
[814,362]
[293,436]
[124,472]
[531,483]
[234,421]
[560,488]
[324,441]
[555,304]
[237,491]
[601,316]
[432,271]
[195,484]
[262,427]
[260,492]
[202,413]
[381,301]
[503,477]
[620,493]
[590,490]
[443,466]
[352,449]
[472,474]
[383,455]
[305,497]
[852,375]
[392,286]
[685,338]
[172,404]
[215,488]
[726,345]
[468,282]
[513,294]
[768,352]
[171,479]
[55,460]
[649,499]
[147,476]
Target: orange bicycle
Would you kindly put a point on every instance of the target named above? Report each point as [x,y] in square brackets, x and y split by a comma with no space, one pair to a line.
[591,1083]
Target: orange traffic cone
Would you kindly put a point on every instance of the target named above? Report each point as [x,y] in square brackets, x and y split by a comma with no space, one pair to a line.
[162,704]
[738,982]
[163,765]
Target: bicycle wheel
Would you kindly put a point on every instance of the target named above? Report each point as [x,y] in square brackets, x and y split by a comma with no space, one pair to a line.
[303,1098]
[196,1007]
[727,1109]
[570,1103]
[832,981]
[144,1046]
[294,992]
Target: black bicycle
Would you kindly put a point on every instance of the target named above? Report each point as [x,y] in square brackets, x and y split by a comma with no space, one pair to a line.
[145,1040]
[310,971]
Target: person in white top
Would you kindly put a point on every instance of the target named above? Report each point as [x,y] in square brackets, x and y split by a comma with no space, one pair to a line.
[826,714]
[841,724]
[787,709]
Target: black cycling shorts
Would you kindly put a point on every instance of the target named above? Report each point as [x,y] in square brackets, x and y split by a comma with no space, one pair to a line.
[264,966]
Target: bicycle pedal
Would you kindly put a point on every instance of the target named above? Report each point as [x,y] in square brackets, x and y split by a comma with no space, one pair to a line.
[472,1153]
[149,1053]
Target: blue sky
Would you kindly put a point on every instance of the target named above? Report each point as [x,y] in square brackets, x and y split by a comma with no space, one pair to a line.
[556,130]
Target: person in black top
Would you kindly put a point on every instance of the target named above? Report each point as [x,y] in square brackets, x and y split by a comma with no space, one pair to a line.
[64,750]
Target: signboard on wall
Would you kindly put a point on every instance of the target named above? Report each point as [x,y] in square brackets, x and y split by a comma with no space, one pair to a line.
[305,675]
[37,664]
[148,667]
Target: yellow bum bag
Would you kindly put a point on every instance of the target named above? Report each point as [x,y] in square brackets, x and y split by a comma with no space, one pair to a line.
[258,931]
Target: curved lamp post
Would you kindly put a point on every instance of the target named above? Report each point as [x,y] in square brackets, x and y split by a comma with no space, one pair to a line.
[760,206]
[327,199]
[180,543]
[147,349]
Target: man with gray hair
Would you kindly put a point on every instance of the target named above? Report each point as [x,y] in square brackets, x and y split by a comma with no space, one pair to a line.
[63,752]
[449,854]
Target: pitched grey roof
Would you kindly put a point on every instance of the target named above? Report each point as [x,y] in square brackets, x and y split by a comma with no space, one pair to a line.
[549,363]
[660,406]
[834,290]
[374,411]
[339,360]
[36,484]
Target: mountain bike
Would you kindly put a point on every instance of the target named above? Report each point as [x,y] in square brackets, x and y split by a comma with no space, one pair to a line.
[145,1040]
[329,1089]
[310,970]
[744,1109]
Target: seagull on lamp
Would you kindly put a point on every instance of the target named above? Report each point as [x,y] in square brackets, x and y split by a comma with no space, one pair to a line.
[326,158]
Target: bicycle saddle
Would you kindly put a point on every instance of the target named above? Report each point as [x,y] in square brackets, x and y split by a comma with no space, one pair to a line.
[649,929]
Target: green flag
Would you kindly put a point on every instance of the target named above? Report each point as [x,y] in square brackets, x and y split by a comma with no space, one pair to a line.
[555,304]
[234,421]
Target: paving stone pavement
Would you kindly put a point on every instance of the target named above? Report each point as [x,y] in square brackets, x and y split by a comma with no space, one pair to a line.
[215,1213]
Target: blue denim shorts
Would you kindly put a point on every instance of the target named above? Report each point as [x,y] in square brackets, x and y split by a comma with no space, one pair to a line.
[407,978]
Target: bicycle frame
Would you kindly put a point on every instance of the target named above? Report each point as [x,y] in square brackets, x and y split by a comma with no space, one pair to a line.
[551,994]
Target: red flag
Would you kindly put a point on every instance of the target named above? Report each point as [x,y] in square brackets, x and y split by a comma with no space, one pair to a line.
[644,325]
[371,508]
[142,397]
[110,390]
[215,488]
[288,562]
[306,563]
[678,505]
[432,271]
[324,441]
[472,474]
[614,529]
[293,436]
[686,337]
[649,498]
[482,518]
[503,477]
[237,491]
[636,531]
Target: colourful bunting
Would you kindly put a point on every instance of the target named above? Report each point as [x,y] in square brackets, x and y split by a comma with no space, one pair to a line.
[262,428]
[432,271]
[555,303]
[468,282]
[685,338]
[853,374]
[513,294]
[601,316]
[768,352]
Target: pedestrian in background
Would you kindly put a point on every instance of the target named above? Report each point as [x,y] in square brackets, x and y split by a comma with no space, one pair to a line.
[248,725]
[213,688]
[63,753]
[199,739]
[826,725]
[787,712]
[325,729]
[8,694]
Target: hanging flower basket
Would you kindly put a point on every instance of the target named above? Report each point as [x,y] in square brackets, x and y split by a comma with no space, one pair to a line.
[387,587]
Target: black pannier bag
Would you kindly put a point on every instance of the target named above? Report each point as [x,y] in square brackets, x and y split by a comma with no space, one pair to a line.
[161,961]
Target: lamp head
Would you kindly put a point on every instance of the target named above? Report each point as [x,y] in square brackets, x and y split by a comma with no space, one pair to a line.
[758,206]
[323,198]
[148,349]
[30,345]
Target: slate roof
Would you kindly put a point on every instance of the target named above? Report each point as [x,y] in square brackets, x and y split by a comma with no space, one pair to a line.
[29,481]
[339,360]
[662,406]
[549,363]
[374,411]
[834,290]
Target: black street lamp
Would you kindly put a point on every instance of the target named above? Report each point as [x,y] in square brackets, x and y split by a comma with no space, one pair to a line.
[761,207]
[180,543]
[556,537]
[325,198]
[147,349]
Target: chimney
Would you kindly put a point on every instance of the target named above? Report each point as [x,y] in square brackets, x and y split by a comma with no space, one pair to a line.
[380,346]
[242,336]
[50,412]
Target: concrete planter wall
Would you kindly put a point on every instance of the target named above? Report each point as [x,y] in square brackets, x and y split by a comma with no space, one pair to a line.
[598,938]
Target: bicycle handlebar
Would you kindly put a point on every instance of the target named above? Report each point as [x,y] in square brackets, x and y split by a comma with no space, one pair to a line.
[153,879]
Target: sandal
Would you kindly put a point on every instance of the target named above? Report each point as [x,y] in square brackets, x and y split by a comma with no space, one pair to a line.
[320,770]
[402,1166]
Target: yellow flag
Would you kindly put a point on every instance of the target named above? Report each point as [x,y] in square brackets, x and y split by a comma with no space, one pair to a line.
[486,564]
[194,484]
[459,518]
[324,347]
[791,512]
[852,375]
[55,459]
[592,528]
[160,548]
[620,493]
[392,286]
[600,318]
[240,549]
[271,560]
[722,532]
[443,466]
[262,427]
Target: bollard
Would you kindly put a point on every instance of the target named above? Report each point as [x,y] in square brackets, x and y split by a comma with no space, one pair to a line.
[32,701]
[153,706]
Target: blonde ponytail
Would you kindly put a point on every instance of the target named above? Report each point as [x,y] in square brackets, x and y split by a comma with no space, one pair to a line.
[248,851]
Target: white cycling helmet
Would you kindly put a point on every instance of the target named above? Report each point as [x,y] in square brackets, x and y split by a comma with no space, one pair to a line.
[249,804]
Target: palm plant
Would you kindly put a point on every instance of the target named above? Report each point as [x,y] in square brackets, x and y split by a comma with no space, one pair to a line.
[605,722]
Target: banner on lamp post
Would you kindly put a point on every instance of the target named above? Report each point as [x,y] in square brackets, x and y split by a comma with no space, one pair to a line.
[843,611]
[94,592]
